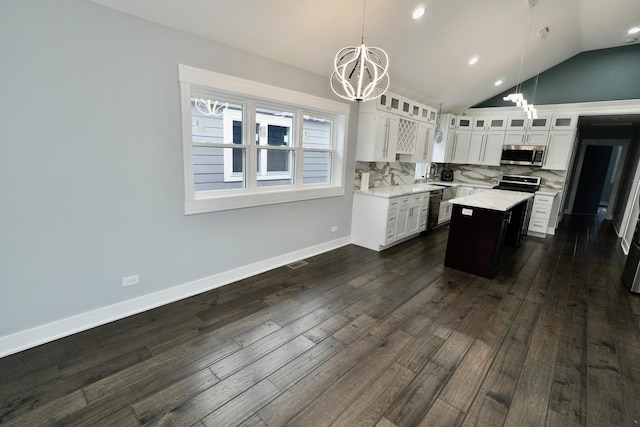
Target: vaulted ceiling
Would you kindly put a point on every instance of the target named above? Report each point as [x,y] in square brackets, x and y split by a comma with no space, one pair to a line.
[428,56]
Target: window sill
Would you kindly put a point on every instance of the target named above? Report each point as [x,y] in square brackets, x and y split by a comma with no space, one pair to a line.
[237,201]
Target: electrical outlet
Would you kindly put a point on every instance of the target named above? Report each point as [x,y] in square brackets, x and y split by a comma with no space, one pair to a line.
[334,228]
[130,281]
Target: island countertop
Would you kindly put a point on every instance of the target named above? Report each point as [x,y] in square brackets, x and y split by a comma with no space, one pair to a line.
[497,200]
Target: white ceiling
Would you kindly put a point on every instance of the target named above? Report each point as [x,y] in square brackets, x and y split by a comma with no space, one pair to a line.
[428,57]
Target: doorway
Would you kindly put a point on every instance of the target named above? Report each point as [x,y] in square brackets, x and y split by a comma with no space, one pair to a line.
[599,169]
[593,175]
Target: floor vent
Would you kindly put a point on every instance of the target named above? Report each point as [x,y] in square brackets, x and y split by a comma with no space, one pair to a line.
[297,264]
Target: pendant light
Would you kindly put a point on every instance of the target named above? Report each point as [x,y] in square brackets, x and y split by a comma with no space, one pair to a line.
[360,72]
[517,97]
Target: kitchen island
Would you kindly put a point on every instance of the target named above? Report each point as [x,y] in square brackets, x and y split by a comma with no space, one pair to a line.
[485,230]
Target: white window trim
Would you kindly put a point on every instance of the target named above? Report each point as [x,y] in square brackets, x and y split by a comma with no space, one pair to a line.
[219,200]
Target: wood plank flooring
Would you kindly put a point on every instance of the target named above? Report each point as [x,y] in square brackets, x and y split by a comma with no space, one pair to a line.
[359,338]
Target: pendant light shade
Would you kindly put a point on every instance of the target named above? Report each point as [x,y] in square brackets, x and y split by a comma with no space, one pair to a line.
[360,72]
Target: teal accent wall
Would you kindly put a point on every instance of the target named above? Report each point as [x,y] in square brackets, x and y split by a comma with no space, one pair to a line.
[597,75]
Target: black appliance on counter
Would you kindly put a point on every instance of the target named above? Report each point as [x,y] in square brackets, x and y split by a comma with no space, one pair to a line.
[527,184]
[446,175]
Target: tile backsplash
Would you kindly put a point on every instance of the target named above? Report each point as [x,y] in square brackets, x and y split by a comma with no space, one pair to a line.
[383,174]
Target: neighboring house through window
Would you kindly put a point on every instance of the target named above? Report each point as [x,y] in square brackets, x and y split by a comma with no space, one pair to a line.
[272,146]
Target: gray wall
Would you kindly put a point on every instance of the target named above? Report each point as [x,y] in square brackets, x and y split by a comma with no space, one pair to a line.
[597,75]
[91,169]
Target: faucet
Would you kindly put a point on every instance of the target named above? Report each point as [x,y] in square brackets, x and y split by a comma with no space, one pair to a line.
[432,169]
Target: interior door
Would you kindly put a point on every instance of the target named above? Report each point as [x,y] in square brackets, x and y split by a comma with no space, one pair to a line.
[592,177]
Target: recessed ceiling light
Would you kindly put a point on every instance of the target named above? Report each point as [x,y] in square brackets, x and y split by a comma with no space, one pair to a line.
[634,30]
[498,82]
[418,12]
[473,60]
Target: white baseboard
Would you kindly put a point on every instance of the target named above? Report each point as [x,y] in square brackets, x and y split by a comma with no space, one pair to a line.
[29,338]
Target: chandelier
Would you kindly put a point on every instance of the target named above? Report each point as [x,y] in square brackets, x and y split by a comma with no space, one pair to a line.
[360,72]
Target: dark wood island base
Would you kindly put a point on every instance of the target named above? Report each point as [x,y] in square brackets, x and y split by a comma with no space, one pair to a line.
[482,241]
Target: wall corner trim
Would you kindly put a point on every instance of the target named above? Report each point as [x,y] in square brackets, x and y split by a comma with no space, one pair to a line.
[14,343]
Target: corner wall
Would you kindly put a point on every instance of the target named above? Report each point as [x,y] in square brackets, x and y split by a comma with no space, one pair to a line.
[91,172]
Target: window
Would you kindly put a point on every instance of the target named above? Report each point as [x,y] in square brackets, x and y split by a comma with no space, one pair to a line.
[249,144]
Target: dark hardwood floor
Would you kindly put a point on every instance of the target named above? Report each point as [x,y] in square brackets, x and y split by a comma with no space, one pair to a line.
[360,338]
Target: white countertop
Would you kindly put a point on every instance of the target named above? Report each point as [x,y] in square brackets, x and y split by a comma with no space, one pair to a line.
[399,190]
[497,200]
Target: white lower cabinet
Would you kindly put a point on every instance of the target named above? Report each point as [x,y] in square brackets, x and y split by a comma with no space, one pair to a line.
[379,222]
[543,211]
[445,212]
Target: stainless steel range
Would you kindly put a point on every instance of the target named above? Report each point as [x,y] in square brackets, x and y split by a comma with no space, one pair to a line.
[527,184]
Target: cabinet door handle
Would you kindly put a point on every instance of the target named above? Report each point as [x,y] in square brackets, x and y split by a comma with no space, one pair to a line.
[426,145]
[455,146]
[385,149]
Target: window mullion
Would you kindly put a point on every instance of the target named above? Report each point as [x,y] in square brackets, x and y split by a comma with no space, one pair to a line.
[252,150]
[298,122]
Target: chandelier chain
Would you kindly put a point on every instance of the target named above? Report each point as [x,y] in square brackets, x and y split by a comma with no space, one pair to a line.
[364,12]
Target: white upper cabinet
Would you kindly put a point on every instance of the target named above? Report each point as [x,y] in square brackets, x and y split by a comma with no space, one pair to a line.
[407,136]
[564,122]
[487,139]
[387,102]
[390,129]
[377,137]
[480,123]
[408,108]
[402,106]
[451,121]
[486,123]
[486,147]
[524,123]
[521,130]
[424,144]
[517,123]
[460,149]
[541,123]
[429,114]
[559,150]
[464,123]
[497,123]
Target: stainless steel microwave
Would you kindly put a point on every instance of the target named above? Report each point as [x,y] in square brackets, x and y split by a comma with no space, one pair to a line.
[525,155]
